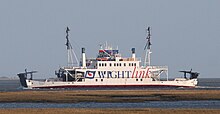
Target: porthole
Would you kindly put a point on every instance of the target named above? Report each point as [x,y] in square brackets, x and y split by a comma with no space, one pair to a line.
[136,79]
[96,80]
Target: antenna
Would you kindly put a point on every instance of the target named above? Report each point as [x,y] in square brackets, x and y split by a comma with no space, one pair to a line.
[147,48]
[70,51]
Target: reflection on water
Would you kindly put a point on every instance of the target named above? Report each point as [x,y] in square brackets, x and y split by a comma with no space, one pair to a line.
[149,104]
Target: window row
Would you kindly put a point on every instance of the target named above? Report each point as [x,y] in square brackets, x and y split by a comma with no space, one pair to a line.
[102,80]
[97,80]
[116,64]
[140,79]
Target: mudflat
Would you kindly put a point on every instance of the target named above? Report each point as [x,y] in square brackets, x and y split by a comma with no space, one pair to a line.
[108,111]
[75,96]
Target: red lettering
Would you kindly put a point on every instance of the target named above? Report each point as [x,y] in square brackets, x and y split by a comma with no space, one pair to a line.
[133,72]
[143,74]
[140,74]
[136,74]
[146,75]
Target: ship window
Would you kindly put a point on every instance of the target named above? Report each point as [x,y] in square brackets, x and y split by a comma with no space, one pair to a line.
[114,64]
[117,64]
[124,64]
[110,64]
[120,64]
[102,80]
[134,64]
[99,64]
[129,64]
[141,79]
[105,64]
[136,79]
[96,80]
[102,64]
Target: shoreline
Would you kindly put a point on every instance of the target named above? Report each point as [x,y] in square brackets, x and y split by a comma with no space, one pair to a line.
[108,111]
[106,96]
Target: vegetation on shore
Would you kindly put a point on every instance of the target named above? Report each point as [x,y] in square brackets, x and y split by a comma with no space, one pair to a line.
[74,96]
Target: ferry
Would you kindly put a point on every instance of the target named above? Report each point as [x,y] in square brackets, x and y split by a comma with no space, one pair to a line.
[109,69]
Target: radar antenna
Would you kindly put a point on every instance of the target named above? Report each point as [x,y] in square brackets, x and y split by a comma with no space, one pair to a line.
[147,48]
[70,51]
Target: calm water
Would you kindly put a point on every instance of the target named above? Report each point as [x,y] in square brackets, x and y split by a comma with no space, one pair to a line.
[208,83]
[149,104]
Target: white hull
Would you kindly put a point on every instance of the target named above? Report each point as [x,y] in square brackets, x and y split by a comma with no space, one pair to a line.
[132,82]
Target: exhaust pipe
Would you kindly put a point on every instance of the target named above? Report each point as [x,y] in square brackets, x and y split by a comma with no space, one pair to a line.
[83,58]
[133,53]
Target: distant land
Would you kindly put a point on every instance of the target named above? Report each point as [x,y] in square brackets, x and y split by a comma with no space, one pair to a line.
[8,78]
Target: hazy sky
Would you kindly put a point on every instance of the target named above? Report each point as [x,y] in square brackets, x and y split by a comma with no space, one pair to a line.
[185,33]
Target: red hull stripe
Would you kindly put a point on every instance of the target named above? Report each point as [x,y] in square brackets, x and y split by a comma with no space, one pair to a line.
[103,86]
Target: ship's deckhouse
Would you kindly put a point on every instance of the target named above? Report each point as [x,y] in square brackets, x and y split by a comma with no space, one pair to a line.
[117,64]
[111,59]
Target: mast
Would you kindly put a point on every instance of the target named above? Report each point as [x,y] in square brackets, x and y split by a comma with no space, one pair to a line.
[147,48]
[70,51]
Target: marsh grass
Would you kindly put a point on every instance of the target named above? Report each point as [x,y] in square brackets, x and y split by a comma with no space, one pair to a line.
[74,96]
[108,111]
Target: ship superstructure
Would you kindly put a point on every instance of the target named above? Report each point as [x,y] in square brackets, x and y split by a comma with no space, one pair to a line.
[109,69]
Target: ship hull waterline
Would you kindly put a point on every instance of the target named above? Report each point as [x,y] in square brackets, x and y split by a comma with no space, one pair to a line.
[49,85]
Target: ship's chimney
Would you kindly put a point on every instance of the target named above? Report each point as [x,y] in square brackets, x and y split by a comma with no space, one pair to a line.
[83,58]
[133,53]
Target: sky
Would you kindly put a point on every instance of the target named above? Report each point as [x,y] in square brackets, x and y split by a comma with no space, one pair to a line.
[185,33]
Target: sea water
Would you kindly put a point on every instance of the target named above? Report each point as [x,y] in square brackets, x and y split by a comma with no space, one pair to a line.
[215,104]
